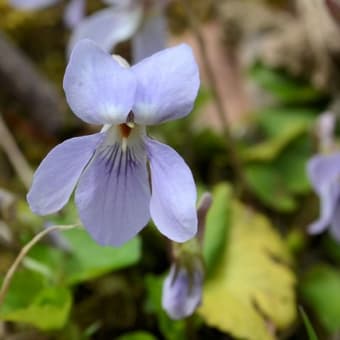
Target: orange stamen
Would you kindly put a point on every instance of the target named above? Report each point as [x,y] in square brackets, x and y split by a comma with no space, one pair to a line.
[125,130]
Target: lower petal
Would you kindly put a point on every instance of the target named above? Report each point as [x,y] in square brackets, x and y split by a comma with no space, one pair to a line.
[335,224]
[329,196]
[173,200]
[113,195]
[59,172]
[323,170]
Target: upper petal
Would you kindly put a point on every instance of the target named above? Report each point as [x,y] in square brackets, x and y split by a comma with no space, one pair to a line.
[32,4]
[59,172]
[335,224]
[151,37]
[97,88]
[173,199]
[74,13]
[113,194]
[107,27]
[168,83]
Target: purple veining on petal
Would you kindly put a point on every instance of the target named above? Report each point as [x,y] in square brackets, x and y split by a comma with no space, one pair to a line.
[113,194]
[58,174]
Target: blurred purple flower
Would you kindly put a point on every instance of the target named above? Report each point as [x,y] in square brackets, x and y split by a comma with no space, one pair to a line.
[182,290]
[109,169]
[324,174]
[74,12]
[141,20]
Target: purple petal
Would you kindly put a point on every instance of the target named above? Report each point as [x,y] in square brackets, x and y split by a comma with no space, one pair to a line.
[335,224]
[32,4]
[324,174]
[59,172]
[173,197]
[168,83]
[151,37]
[74,13]
[107,27]
[121,3]
[97,88]
[328,201]
[323,170]
[113,194]
[182,293]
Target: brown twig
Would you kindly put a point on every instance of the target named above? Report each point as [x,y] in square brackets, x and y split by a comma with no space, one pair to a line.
[8,144]
[21,79]
[222,114]
[9,275]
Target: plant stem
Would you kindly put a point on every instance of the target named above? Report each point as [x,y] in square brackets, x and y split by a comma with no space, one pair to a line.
[222,114]
[10,273]
[18,161]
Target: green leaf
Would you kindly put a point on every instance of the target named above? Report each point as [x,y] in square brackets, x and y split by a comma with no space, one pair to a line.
[320,289]
[291,165]
[269,186]
[277,120]
[217,222]
[89,260]
[284,87]
[171,330]
[139,335]
[30,300]
[24,286]
[49,257]
[251,280]
[309,327]
[270,149]
[277,182]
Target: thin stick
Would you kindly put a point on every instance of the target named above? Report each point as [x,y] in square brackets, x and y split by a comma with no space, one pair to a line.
[222,114]
[7,142]
[9,275]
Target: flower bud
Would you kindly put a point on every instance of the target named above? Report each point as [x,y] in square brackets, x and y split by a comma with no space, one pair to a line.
[182,290]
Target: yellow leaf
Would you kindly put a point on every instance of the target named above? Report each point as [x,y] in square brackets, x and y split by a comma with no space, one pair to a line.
[252,290]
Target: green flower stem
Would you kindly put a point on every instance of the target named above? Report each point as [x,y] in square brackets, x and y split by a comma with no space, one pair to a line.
[24,251]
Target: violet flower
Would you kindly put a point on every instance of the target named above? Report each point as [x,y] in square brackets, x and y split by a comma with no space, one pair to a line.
[182,290]
[141,20]
[110,169]
[324,174]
